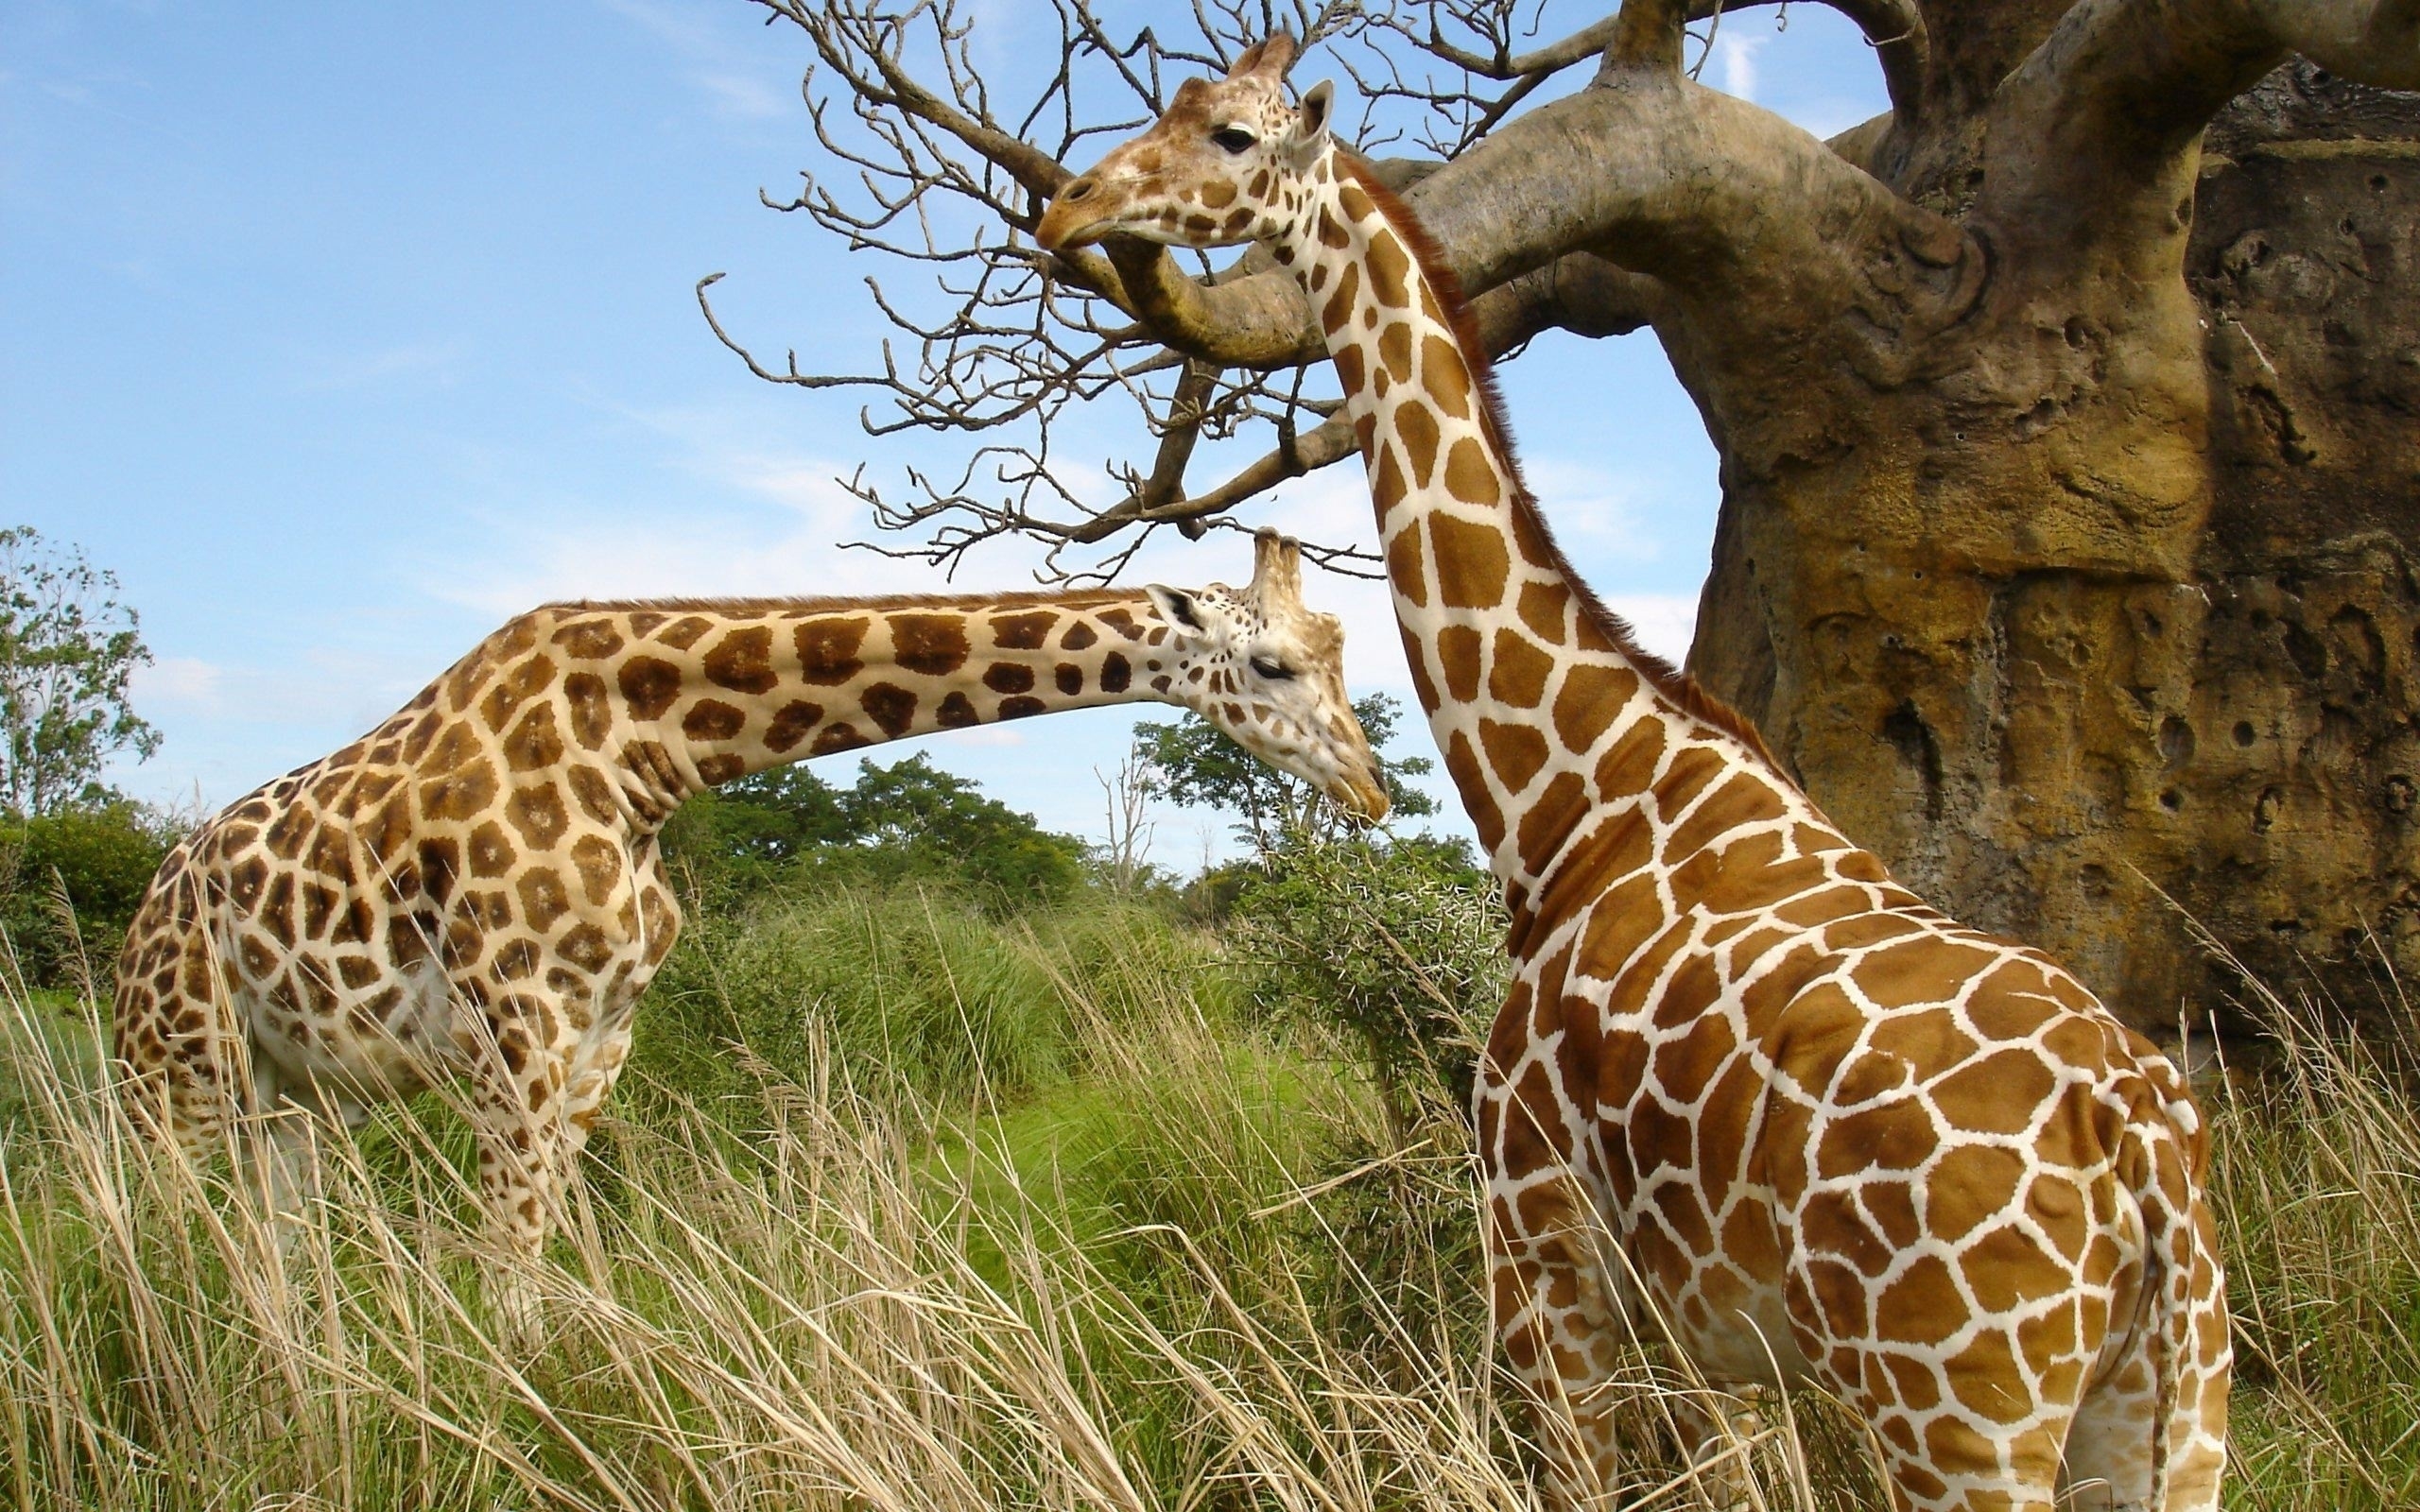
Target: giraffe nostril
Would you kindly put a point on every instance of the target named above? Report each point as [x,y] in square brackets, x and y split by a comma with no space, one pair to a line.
[1080,189]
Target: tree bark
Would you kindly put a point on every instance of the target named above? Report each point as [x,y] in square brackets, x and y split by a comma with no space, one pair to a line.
[2120,599]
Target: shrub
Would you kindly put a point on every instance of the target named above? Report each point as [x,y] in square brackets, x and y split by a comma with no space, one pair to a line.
[102,857]
[1396,943]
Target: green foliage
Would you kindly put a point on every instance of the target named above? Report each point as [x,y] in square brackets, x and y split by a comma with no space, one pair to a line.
[2311,1173]
[915,990]
[787,828]
[1398,943]
[102,855]
[67,649]
[1193,763]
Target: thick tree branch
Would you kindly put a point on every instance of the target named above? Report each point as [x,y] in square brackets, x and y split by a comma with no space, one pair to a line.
[1683,184]
[2369,41]
[1648,34]
[1580,293]
[2092,131]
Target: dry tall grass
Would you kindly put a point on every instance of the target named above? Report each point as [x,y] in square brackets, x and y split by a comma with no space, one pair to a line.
[1184,1274]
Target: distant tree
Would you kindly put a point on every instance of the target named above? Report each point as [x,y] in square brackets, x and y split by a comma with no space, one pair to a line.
[907,820]
[67,649]
[938,821]
[764,819]
[1192,763]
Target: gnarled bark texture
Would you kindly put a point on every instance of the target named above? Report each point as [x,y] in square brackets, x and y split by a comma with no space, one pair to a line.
[2121,599]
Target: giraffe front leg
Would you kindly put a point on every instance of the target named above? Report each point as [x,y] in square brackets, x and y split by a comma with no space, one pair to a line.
[1719,1435]
[515,1113]
[1562,1333]
[594,1068]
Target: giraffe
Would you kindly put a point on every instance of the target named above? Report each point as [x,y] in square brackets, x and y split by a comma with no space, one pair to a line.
[472,893]
[1746,1094]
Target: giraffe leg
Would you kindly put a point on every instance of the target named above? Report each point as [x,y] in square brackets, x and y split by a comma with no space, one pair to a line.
[183,1072]
[2150,1435]
[1717,1444]
[594,1069]
[514,1112]
[1563,1330]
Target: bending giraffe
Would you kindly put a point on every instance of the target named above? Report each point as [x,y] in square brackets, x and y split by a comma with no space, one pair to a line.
[1746,1094]
[474,892]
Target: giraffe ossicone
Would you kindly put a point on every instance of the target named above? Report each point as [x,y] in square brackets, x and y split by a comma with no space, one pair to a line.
[472,893]
[1746,1093]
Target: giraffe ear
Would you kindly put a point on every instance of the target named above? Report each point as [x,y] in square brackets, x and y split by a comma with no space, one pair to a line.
[1176,606]
[1310,120]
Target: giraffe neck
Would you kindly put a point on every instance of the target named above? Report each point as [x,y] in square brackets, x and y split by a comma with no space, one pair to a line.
[676,698]
[1525,678]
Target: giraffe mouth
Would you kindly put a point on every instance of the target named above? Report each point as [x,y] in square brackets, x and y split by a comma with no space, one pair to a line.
[1363,794]
[1070,223]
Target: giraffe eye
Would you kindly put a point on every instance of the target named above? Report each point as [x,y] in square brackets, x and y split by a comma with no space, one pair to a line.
[1233,139]
[1270,667]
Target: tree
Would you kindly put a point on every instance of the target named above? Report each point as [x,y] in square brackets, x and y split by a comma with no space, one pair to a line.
[1193,763]
[939,821]
[67,651]
[2066,411]
[907,820]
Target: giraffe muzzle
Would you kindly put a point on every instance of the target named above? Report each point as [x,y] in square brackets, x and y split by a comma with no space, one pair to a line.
[1364,794]
[1073,218]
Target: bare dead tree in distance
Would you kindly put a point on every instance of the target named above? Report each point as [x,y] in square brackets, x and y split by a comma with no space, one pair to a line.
[2069,412]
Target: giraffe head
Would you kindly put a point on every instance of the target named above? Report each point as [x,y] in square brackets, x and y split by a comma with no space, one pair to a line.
[1224,165]
[1270,673]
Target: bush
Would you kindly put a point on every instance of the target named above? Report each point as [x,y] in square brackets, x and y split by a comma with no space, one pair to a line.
[102,855]
[1398,943]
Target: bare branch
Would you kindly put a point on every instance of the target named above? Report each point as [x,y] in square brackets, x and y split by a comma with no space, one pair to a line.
[1006,342]
[1579,47]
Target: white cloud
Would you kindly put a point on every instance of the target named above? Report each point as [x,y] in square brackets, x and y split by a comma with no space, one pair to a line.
[740,85]
[184,680]
[1664,623]
[1736,58]
[738,94]
[355,689]
[991,735]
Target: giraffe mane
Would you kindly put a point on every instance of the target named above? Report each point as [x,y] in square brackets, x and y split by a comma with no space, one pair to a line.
[1675,685]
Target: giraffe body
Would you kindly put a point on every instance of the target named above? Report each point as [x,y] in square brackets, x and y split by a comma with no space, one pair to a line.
[1746,1093]
[473,891]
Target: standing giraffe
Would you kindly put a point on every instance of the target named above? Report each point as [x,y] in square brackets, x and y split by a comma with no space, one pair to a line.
[1746,1092]
[474,891]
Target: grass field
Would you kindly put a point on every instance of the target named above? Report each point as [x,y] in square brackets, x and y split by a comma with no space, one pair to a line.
[905,1205]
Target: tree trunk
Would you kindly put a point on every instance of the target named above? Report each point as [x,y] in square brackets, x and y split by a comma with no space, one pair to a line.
[2115,594]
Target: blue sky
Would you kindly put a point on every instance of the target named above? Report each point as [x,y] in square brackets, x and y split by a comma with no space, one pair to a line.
[340,332]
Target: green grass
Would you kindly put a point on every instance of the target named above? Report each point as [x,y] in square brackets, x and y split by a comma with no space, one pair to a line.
[905,1204]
